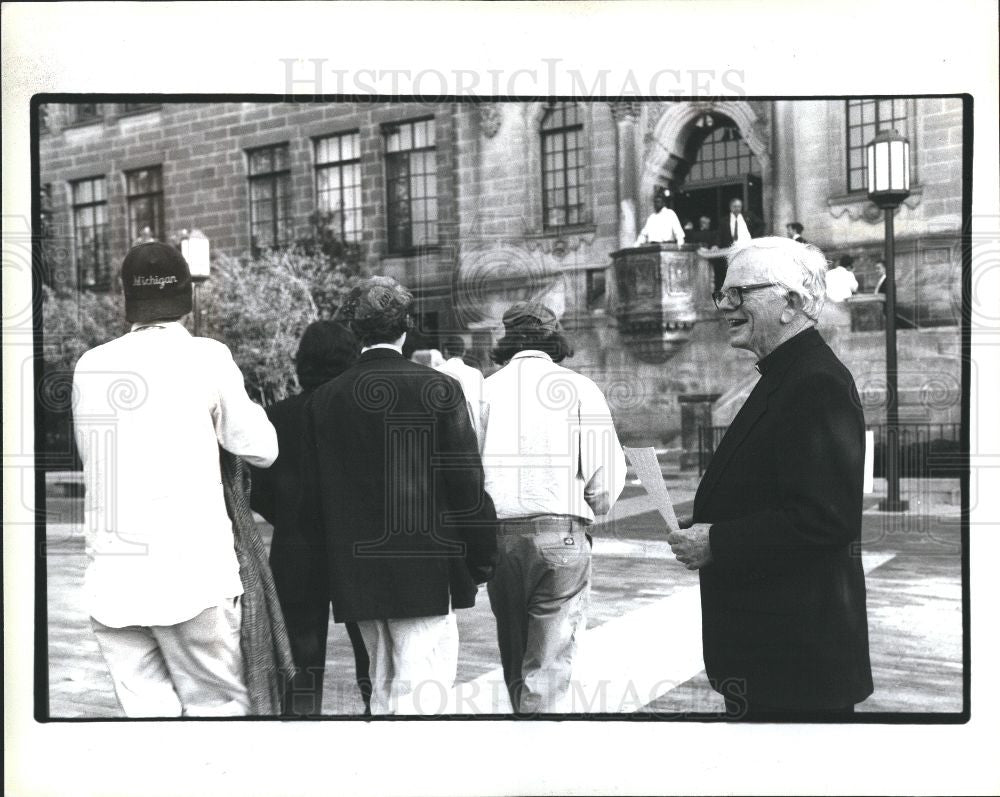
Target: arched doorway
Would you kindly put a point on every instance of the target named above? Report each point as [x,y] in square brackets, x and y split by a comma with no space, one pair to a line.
[717,166]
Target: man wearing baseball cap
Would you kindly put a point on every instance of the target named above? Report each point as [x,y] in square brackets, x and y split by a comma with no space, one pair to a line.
[552,461]
[396,484]
[163,587]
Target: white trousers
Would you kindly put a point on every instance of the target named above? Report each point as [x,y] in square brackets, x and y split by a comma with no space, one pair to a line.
[194,668]
[414,662]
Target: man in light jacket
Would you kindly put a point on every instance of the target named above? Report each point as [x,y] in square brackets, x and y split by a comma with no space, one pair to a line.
[552,461]
[150,411]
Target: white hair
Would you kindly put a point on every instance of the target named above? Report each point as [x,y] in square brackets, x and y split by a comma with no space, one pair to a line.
[797,267]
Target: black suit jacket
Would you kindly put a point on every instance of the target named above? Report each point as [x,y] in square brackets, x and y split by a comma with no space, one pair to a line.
[396,484]
[298,550]
[725,235]
[783,601]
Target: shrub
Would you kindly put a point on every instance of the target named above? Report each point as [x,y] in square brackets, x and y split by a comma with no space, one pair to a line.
[260,308]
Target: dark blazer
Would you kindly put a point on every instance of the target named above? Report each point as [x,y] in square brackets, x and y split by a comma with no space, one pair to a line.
[784,620]
[298,558]
[396,483]
[725,235]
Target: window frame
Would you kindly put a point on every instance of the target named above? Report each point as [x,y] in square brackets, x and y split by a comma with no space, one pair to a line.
[135,108]
[100,243]
[545,135]
[858,103]
[396,244]
[76,118]
[132,199]
[340,166]
[280,180]
[743,151]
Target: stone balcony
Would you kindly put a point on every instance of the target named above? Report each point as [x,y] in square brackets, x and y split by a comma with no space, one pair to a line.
[663,290]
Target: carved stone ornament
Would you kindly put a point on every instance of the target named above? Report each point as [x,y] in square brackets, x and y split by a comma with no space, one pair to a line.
[858,207]
[625,111]
[490,118]
[559,246]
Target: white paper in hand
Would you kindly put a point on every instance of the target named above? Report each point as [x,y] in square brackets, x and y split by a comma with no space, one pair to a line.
[647,468]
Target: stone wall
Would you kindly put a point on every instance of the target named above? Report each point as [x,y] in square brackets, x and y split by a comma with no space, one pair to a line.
[202,150]
[494,248]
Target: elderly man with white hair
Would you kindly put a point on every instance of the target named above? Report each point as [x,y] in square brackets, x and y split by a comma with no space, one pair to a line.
[776,525]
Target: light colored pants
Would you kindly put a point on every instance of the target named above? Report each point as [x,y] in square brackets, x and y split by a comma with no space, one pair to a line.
[193,668]
[414,658]
[539,596]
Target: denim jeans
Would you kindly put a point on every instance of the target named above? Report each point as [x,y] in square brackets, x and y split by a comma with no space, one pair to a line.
[539,597]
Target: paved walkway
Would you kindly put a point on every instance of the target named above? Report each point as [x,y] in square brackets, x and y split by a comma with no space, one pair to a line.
[642,649]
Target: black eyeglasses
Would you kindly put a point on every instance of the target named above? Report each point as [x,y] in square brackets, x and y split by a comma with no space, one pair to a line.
[734,294]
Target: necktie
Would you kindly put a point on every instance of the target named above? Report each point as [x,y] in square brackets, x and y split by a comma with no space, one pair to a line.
[736,227]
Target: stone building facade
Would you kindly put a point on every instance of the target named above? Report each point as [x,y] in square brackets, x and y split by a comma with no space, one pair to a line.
[474,205]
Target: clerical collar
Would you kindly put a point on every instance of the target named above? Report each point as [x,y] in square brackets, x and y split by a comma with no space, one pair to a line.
[788,350]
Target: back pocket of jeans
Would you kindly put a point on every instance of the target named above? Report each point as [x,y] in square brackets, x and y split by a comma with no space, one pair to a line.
[568,551]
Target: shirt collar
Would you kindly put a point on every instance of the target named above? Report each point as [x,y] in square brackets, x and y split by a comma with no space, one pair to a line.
[172,326]
[778,359]
[529,353]
[397,349]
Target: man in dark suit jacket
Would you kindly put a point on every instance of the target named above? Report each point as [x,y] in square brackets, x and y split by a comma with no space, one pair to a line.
[398,485]
[777,517]
[736,226]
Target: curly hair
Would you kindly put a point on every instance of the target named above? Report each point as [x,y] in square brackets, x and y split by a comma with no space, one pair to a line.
[378,310]
[521,339]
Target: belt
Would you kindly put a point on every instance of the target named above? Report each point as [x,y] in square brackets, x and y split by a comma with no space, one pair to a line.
[529,524]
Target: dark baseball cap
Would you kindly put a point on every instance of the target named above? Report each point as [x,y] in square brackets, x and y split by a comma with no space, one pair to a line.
[156,281]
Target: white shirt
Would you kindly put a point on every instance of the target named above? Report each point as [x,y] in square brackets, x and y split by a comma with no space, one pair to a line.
[150,411]
[840,284]
[471,380]
[532,453]
[737,222]
[662,227]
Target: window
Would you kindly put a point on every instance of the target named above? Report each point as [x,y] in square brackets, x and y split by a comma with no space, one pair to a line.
[43,119]
[137,107]
[596,287]
[338,182]
[90,232]
[82,113]
[723,154]
[865,118]
[562,166]
[270,217]
[411,185]
[144,190]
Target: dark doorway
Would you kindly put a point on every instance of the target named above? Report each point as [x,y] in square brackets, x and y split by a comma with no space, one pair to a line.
[695,201]
[720,167]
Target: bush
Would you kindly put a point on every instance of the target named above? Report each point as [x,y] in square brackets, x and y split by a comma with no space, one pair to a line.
[258,306]
[76,321]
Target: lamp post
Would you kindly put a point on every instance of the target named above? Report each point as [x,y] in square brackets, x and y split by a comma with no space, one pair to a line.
[888,161]
[194,248]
